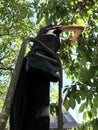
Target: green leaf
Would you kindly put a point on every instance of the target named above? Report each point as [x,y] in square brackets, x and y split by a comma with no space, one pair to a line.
[96,101]
[94,110]
[82,107]
[85,115]
[66,104]
[72,102]
[95,124]
[78,99]
[85,75]
[90,114]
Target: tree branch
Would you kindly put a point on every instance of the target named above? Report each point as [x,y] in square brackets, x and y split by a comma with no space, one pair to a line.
[7,68]
[2,35]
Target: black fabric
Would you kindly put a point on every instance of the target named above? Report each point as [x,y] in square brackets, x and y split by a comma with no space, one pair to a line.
[43,123]
[31,95]
[44,67]
[48,68]
[32,89]
[50,41]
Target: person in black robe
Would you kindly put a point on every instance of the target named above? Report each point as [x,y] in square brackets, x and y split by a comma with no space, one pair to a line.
[30,105]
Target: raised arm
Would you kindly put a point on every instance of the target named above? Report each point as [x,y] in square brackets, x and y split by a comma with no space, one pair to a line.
[76,28]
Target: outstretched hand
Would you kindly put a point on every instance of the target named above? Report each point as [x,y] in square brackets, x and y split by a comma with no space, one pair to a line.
[77,31]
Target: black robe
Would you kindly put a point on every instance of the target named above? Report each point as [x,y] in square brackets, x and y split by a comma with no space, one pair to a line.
[32,90]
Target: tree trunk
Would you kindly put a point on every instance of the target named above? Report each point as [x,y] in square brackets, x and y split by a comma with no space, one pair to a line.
[8,100]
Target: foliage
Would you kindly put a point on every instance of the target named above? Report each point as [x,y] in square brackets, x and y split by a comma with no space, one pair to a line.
[93,125]
[22,18]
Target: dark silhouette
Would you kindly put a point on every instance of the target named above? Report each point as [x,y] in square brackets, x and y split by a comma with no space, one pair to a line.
[30,106]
